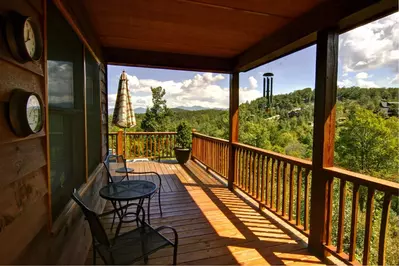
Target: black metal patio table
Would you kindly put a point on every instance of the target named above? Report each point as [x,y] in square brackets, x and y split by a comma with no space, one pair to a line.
[128,191]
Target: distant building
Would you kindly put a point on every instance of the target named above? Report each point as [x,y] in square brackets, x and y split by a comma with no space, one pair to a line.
[389,108]
[294,112]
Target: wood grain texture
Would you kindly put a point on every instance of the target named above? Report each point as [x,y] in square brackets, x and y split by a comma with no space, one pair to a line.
[182,25]
[21,232]
[21,158]
[70,243]
[166,60]
[323,135]
[233,124]
[17,196]
[215,225]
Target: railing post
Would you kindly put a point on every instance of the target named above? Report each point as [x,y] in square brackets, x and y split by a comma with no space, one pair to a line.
[119,142]
[233,119]
[193,143]
[323,136]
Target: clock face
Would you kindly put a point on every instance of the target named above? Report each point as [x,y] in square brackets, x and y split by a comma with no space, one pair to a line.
[29,38]
[33,113]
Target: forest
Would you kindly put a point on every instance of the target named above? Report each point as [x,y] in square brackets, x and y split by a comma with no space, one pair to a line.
[366,139]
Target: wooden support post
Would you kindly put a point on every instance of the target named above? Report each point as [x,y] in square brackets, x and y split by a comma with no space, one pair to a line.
[119,142]
[233,111]
[323,136]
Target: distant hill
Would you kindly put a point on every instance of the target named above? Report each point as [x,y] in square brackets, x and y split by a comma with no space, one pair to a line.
[191,108]
[140,110]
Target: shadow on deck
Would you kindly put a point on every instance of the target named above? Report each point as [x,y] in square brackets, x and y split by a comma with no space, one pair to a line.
[215,225]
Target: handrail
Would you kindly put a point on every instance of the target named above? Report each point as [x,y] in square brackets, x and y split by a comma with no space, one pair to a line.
[212,152]
[361,179]
[151,133]
[199,135]
[388,188]
[278,156]
[143,144]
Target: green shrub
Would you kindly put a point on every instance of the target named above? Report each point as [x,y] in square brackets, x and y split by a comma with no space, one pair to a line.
[183,138]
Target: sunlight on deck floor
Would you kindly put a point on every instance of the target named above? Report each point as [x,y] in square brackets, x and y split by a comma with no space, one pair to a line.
[215,225]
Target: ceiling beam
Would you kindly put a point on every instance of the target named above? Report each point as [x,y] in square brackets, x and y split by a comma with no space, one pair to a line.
[300,33]
[140,58]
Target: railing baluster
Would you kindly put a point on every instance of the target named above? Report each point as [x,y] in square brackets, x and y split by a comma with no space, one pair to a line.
[383,229]
[369,223]
[258,181]
[262,188]
[306,199]
[253,174]
[330,184]
[355,203]
[247,154]
[278,186]
[284,197]
[298,195]
[242,160]
[341,222]
[291,201]
[272,184]
[267,187]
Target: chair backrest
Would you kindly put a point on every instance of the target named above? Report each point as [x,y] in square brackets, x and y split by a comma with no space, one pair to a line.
[113,158]
[96,228]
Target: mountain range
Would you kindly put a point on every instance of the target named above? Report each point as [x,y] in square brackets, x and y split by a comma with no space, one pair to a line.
[141,110]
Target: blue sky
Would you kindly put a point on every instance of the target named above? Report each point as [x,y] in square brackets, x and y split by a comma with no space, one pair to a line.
[368,57]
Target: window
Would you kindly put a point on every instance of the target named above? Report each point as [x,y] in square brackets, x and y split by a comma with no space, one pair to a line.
[93,112]
[66,110]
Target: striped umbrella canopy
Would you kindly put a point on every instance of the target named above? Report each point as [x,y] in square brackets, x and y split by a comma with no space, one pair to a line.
[123,113]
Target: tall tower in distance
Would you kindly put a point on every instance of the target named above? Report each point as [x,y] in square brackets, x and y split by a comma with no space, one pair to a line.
[268,88]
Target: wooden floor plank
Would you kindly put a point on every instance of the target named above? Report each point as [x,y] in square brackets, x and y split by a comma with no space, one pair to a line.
[215,225]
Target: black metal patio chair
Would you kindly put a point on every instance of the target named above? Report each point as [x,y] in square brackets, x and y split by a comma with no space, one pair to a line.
[128,247]
[112,158]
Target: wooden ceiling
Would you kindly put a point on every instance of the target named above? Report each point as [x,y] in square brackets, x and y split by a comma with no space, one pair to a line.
[202,27]
[212,29]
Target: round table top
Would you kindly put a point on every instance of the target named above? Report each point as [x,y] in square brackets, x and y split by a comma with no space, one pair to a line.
[124,170]
[128,190]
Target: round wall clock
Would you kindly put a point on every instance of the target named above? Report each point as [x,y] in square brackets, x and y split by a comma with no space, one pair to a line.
[23,38]
[26,113]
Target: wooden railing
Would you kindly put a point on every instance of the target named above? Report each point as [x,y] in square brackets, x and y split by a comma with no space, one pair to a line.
[346,188]
[277,182]
[281,184]
[212,152]
[143,144]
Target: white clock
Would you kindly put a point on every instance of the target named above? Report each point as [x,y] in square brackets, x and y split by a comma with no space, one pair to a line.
[23,38]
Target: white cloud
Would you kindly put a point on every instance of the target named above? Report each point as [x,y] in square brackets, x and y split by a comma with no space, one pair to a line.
[111,100]
[371,46]
[367,83]
[362,75]
[253,83]
[201,90]
[395,80]
[345,83]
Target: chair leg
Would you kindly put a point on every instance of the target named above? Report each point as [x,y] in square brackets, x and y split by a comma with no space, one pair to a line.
[159,201]
[175,254]
[148,210]
[94,253]
[113,221]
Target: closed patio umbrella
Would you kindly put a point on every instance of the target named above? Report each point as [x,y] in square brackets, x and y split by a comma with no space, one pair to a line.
[123,113]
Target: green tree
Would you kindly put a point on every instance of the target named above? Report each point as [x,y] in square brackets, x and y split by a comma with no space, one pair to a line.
[367,143]
[159,115]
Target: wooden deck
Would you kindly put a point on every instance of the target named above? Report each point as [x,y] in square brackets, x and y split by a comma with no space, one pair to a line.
[215,225]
